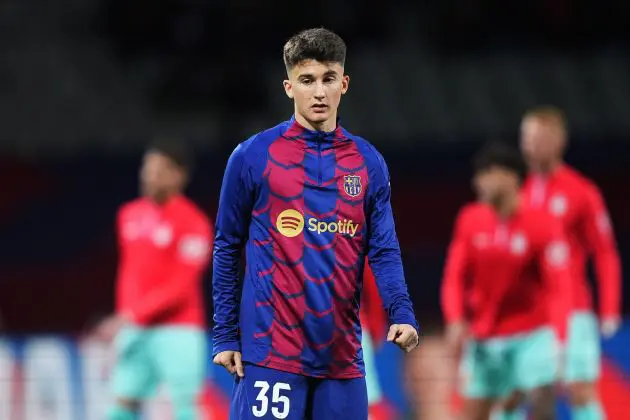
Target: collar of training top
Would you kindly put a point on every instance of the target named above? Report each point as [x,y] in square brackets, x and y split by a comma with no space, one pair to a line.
[173,201]
[559,171]
[297,130]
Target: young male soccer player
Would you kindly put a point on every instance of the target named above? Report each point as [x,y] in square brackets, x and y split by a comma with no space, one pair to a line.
[505,286]
[308,201]
[577,204]
[165,243]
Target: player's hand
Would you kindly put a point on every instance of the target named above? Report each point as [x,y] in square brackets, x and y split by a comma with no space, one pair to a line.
[456,334]
[232,361]
[404,336]
[109,327]
[609,327]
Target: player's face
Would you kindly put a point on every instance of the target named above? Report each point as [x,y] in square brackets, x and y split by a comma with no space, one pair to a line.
[494,183]
[316,90]
[542,141]
[159,175]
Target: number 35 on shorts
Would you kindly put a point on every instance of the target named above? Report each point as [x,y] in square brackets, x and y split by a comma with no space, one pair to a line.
[280,404]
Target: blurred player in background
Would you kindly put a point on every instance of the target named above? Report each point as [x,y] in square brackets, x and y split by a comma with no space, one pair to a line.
[308,201]
[165,243]
[505,290]
[577,204]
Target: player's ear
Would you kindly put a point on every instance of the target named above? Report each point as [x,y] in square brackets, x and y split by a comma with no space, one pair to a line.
[181,175]
[288,88]
[185,179]
[564,141]
[345,83]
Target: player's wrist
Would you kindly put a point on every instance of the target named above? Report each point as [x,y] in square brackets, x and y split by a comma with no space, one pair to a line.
[225,346]
[406,321]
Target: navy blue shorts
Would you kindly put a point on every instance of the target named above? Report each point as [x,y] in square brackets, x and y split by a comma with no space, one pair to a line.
[272,394]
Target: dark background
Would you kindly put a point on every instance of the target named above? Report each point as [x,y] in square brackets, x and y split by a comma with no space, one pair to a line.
[85,84]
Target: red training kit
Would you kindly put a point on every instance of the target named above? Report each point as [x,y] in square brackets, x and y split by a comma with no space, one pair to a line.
[505,277]
[577,203]
[164,251]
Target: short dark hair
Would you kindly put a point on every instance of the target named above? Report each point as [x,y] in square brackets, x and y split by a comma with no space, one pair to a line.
[318,44]
[502,155]
[548,113]
[178,152]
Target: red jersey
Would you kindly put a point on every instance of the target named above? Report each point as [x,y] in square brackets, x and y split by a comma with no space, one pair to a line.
[373,316]
[577,203]
[506,276]
[164,251]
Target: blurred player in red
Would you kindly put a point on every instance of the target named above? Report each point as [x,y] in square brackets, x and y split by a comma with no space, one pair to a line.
[504,291]
[165,243]
[577,204]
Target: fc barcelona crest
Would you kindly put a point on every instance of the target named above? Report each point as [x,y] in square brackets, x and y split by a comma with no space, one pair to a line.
[352,185]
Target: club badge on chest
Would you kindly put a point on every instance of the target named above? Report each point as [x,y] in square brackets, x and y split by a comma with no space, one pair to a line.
[352,185]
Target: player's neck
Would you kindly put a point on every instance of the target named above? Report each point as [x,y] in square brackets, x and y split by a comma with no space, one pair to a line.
[506,207]
[325,126]
[547,168]
[162,199]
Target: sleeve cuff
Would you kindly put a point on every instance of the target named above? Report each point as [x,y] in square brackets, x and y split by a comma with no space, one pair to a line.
[225,346]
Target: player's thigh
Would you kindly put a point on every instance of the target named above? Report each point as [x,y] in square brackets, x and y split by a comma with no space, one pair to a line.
[268,394]
[486,370]
[180,356]
[134,376]
[337,399]
[536,359]
[582,352]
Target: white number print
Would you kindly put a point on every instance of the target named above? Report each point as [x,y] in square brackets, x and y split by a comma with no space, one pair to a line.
[281,405]
[282,400]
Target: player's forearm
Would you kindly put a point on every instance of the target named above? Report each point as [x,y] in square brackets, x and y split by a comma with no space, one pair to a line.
[608,269]
[453,285]
[225,296]
[456,270]
[390,280]
[452,301]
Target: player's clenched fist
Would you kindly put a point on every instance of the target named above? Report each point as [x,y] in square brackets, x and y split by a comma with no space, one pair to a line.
[404,336]
[232,361]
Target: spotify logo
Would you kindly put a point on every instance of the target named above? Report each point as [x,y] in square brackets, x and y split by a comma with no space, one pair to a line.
[290,223]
